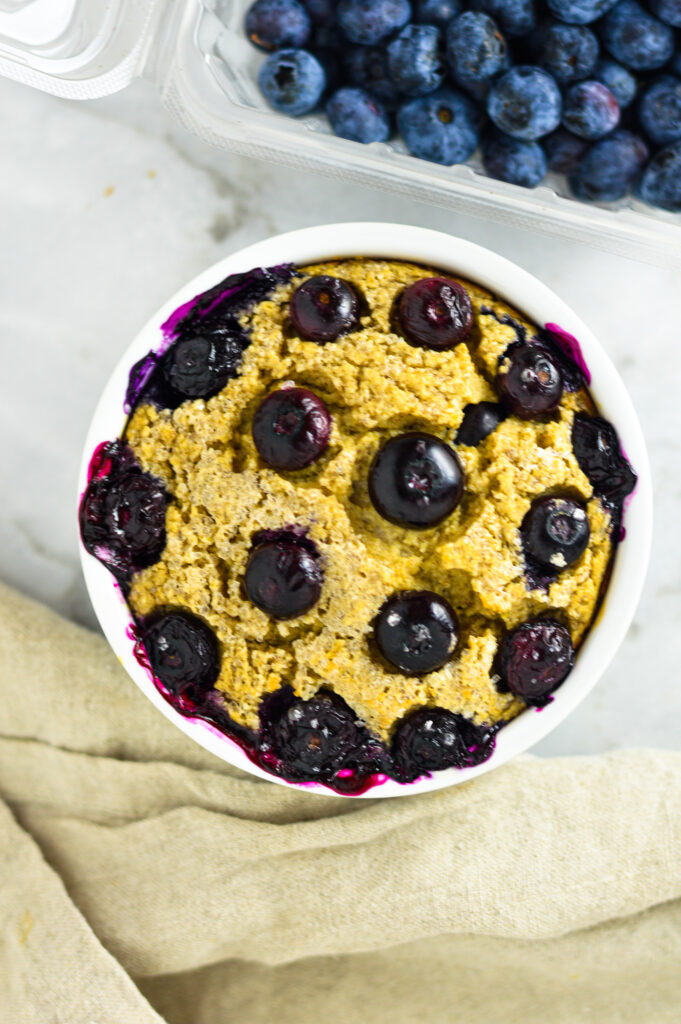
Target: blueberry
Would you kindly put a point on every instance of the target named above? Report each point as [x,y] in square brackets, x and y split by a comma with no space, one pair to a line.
[415,480]
[569,52]
[580,12]
[292,81]
[308,740]
[635,38]
[555,532]
[323,308]
[520,163]
[668,11]
[475,47]
[661,181]
[529,381]
[443,127]
[611,168]
[618,79]
[659,110]
[283,577]
[514,17]
[274,24]
[322,12]
[122,514]
[431,739]
[199,367]
[182,651]
[291,428]
[435,312]
[590,110]
[416,631]
[367,68]
[372,21]
[536,657]
[356,115]
[479,421]
[525,103]
[564,151]
[598,452]
[436,12]
[414,59]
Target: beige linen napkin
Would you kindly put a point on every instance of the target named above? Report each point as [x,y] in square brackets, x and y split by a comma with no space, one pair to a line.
[141,880]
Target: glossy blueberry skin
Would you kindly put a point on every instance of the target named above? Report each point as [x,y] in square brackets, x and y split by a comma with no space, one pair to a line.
[590,110]
[514,17]
[611,168]
[564,151]
[366,67]
[619,80]
[661,182]
[475,47]
[183,652]
[443,127]
[519,163]
[276,24]
[414,59]
[372,21]
[415,480]
[598,452]
[668,11]
[529,381]
[324,308]
[569,52]
[579,12]
[292,81]
[636,39]
[291,428]
[283,577]
[416,631]
[525,103]
[436,12]
[357,115]
[435,312]
[555,533]
[659,110]
[479,421]
[431,739]
[535,658]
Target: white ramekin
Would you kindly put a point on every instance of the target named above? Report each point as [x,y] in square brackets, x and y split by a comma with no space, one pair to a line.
[541,306]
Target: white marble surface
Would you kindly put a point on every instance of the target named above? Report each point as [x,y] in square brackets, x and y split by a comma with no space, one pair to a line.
[106,208]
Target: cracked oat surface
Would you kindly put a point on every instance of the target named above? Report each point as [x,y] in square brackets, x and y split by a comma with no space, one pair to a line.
[375,385]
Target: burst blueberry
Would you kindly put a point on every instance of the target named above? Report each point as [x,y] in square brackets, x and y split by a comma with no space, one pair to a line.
[590,110]
[416,480]
[435,312]
[598,452]
[611,168]
[292,81]
[371,21]
[619,80]
[274,24]
[529,381]
[635,38]
[436,12]
[536,657]
[183,652]
[569,52]
[199,367]
[525,103]
[324,308]
[659,110]
[555,532]
[514,161]
[479,421]
[357,115]
[416,631]
[564,151]
[580,12]
[475,47]
[443,127]
[415,61]
[431,739]
[283,576]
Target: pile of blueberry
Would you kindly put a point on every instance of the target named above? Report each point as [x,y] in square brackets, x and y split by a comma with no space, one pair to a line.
[416,481]
[586,88]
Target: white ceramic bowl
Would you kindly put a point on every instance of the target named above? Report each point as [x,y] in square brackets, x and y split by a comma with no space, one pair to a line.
[541,306]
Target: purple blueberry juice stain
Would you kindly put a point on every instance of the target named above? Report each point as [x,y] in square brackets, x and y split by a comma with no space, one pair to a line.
[571,348]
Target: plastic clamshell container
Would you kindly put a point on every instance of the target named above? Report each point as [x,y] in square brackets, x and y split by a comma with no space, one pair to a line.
[205,69]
